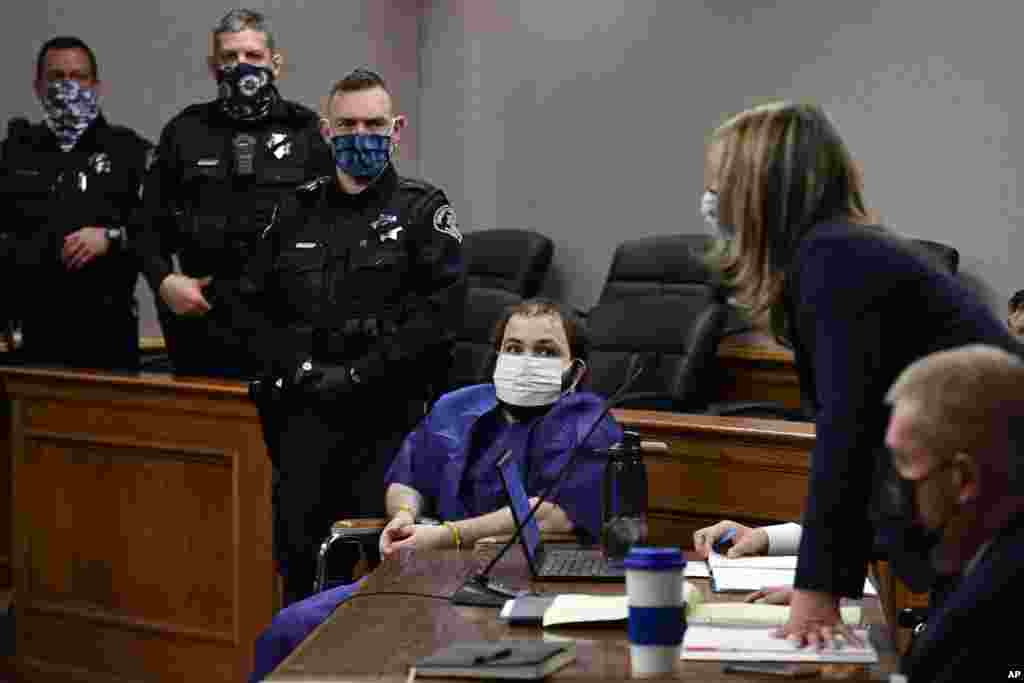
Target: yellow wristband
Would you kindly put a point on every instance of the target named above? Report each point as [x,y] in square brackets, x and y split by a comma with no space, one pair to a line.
[455,534]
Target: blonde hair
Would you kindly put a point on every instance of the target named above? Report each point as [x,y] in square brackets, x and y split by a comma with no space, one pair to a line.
[783,168]
[965,400]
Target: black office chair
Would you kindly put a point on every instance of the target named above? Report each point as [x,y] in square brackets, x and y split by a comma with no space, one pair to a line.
[674,265]
[674,336]
[474,341]
[512,259]
[667,264]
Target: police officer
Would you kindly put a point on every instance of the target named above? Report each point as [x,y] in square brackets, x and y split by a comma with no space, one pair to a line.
[68,186]
[366,291]
[215,190]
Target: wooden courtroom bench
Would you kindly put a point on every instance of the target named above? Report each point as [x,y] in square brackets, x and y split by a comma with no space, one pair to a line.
[142,526]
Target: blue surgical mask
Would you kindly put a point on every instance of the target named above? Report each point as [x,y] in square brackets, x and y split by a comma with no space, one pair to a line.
[362,155]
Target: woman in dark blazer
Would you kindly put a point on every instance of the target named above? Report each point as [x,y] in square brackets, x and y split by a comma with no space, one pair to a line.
[857,302]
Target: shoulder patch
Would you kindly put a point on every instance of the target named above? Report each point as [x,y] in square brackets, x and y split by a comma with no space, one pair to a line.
[445,222]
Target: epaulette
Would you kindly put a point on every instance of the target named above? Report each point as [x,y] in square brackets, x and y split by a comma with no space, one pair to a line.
[125,131]
[300,113]
[416,185]
[200,110]
[21,131]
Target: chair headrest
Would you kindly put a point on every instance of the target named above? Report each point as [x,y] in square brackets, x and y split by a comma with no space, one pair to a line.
[507,258]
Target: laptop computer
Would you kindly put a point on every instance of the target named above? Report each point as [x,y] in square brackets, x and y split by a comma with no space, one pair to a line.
[551,563]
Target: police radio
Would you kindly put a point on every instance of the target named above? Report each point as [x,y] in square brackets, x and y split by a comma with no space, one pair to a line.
[244,146]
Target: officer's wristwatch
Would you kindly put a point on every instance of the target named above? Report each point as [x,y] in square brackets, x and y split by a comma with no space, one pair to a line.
[115,235]
[355,376]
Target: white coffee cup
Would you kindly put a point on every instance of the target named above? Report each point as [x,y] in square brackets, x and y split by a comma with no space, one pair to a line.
[657,620]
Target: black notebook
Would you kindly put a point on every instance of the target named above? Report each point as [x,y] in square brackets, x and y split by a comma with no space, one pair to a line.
[522,659]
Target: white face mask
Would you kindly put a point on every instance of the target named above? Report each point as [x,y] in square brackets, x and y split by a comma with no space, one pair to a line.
[528,381]
[709,210]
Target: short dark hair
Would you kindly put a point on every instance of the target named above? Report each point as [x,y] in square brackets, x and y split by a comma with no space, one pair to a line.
[66,43]
[358,80]
[1017,300]
[575,329]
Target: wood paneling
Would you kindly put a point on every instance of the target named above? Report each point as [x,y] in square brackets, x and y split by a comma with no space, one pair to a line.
[749,470]
[752,366]
[5,490]
[142,527]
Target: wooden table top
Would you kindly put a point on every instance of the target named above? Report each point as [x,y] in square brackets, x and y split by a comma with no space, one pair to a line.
[377,636]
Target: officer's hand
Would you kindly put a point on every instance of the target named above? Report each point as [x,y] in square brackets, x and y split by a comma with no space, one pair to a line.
[398,528]
[184,294]
[746,541]
[83,245]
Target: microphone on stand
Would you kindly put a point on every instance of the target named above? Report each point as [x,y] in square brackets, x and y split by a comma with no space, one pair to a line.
[479,590]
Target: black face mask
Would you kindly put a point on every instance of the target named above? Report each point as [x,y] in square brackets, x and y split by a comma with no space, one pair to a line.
[246,92]
[911,547]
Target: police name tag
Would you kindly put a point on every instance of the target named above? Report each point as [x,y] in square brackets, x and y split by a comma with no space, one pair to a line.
[306,245]
[208,162]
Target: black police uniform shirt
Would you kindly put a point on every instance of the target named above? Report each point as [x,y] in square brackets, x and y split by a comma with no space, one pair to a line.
[370,283]
[85,316]
[210,192]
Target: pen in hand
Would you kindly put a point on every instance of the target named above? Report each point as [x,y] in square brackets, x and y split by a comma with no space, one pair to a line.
[724,542]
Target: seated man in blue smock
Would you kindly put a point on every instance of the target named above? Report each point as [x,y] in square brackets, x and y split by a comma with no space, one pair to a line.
[446,466]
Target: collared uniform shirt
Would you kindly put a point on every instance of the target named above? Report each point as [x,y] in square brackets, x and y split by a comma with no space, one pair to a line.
[215,188]
[85,316]
[374,282]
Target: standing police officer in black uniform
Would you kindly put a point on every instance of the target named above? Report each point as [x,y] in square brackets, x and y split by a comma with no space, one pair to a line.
[68,187]
[366,293]
[213,194]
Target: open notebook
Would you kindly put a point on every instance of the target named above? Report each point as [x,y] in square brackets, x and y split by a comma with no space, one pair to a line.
[755,573]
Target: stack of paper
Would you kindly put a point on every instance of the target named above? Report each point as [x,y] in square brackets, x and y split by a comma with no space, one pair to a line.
[755,573]
[746,614]
[721,643]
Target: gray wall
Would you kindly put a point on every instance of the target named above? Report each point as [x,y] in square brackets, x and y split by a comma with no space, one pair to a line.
[152,58]
[586,119]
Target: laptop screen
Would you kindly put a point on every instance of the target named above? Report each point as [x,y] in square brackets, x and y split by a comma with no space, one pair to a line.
[519,502]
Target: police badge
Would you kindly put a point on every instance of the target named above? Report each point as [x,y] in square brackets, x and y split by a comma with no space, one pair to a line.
[279,145]
[99,162]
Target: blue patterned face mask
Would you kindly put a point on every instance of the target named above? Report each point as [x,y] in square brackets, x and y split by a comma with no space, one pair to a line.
[362,155]
[70,109]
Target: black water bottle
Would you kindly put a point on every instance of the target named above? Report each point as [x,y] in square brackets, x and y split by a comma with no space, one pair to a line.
[624,500]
